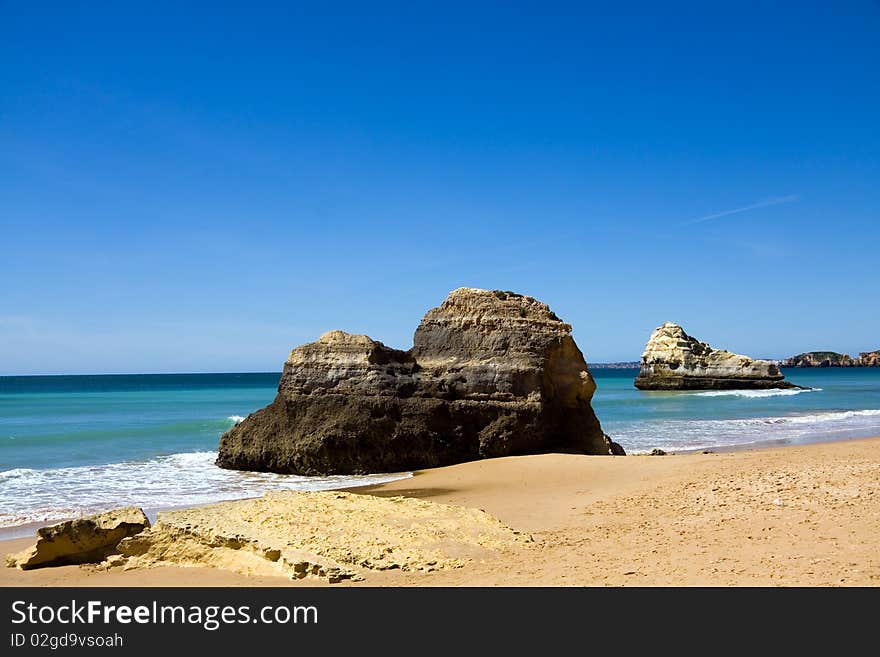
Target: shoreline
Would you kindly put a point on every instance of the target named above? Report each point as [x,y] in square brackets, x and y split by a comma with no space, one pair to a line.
[799,515]
[28,530]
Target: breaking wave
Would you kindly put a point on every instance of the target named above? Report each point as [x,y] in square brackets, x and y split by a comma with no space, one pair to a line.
[691,434]
[184,479]
[757,394]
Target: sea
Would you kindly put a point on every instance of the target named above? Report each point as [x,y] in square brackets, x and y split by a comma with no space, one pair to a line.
[71,445]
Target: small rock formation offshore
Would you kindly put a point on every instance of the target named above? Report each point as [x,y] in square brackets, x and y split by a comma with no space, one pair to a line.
[85,540]
[490,374]
[820,359]
[673,360]
[869,358]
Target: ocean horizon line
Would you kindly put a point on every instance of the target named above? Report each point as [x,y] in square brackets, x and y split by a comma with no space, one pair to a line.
[622,364]
[214,373]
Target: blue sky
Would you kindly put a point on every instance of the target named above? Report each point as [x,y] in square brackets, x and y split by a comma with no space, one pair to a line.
[187,187]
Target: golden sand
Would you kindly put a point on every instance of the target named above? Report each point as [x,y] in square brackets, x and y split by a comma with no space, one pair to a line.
[806,516]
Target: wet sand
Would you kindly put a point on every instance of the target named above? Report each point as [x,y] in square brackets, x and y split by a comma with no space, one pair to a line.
[793,516]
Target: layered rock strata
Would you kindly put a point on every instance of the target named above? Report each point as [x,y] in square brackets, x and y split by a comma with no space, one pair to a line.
[490,374]
[673,360]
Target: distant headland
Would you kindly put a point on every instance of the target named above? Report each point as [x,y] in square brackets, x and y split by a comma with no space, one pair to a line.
[832,359]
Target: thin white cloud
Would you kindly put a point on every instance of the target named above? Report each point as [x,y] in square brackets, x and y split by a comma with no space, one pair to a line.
[766,203]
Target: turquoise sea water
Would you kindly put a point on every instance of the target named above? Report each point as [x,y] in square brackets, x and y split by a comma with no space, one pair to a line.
[75,444]
[841,403]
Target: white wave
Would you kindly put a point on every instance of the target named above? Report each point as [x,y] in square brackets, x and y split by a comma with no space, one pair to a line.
[831,417]
[184,479]
[236,418]
[756,394]
[15,472]
[688,434]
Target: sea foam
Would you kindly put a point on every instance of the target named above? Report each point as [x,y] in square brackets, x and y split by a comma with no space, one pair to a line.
[832,416]
[690,434]
[182,479]
[757,394]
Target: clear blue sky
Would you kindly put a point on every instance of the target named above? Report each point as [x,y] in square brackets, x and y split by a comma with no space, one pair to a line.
[201,187]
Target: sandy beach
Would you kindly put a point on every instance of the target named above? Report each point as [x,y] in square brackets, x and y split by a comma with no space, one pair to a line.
[793,516]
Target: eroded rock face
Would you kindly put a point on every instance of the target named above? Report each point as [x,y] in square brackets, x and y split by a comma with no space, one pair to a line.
[85,540]
[820,359]
[330,535]
[869,358]
[490,374]
[673,360]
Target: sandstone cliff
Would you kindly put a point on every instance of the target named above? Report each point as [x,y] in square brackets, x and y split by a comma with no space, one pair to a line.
[820,359]
[673,360]
[490,374]
[869,358]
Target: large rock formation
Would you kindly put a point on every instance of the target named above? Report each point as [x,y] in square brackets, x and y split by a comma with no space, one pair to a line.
[489,374]
[673,360]
[85,540]
[869,358]
[820,359]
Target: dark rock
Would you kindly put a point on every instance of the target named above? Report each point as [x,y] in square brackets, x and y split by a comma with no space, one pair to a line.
[490,374]
[657,452]
[616,448]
